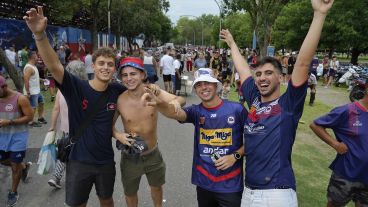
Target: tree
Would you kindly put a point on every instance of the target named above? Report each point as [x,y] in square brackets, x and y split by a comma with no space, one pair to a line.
[239,25]
[263,14]
[344,29]
[143,17]
[13,72]
[187,27]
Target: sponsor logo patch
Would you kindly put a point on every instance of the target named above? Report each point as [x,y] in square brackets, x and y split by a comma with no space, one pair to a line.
[216,137]
[9,107]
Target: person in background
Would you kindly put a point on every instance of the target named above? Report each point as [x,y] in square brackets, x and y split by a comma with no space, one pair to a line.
[312,84]
[166,69]
[15,113]
[60,113]
[325,64]
[150,65]
[88,63]
[225,89]
[349,178]
[177,66]
[200,62]
[32,88]
[334,65]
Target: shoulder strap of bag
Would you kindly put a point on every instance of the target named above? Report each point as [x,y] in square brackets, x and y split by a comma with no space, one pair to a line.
[90,115]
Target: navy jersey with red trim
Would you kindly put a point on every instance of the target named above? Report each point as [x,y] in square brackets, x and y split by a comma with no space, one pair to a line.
[269,136]
[217,129]
[349,123]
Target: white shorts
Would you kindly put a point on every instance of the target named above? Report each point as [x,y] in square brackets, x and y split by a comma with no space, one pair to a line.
[269,198]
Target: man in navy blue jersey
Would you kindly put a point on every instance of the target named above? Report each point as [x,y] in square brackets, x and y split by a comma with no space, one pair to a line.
[217,168]
[91,160]
[349,179]
[272,121]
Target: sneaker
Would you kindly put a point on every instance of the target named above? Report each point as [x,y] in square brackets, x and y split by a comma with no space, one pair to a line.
[25,171]
[42,120]
[35,124]
[54,183]
[12,198]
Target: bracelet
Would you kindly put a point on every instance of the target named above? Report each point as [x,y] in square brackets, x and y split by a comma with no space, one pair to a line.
[44,35]
[11,122]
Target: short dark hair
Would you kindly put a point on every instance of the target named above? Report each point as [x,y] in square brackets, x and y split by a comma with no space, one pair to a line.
[271,60]
[103,51]
[30,53]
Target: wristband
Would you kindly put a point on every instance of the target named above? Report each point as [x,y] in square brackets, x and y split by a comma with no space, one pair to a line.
[44,35]
[11,122]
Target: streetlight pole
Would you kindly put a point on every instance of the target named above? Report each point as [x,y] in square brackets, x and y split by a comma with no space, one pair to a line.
[220,9]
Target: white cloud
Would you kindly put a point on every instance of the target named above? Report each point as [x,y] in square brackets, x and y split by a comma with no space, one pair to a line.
[191,7]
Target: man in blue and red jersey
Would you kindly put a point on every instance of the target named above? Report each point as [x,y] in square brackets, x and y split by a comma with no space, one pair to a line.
[273,118]
[349,179]
[218,130]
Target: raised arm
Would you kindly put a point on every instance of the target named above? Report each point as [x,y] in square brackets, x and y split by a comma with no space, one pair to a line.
[28,72]
[37,23]
[167,104]
[240,64]
[309,46]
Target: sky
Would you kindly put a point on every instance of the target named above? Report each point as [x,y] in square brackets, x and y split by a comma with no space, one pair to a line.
[191,7]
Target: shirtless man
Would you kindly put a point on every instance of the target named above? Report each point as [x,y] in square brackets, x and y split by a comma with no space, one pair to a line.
[140,118]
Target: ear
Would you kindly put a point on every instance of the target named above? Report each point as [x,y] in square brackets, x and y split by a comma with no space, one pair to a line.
[280,77]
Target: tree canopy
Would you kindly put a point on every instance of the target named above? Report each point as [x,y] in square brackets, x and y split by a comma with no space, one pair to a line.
[344,29]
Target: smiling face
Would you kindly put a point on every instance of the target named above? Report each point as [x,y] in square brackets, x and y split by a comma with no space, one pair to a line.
[132,78]
[206,91]
[104,68]
[267,80]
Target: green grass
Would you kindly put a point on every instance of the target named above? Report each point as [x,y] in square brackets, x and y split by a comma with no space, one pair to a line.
[310,157]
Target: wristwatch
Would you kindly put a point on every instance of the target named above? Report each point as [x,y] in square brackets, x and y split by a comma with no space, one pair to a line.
[237,155]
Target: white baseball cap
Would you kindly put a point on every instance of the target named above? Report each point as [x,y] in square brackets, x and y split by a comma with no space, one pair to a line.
[206,75]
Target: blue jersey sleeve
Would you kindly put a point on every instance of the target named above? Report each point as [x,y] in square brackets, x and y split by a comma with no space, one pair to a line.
[249,90]
[243,115]
[294,98]
[334,118]
[191,114]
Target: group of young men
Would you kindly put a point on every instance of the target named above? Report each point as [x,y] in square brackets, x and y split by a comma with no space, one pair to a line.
[224,131]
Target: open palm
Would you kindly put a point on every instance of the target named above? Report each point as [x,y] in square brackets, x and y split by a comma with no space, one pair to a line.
[35,20]
[322,5]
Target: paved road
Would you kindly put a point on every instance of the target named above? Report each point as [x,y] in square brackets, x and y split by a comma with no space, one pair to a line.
[176,145]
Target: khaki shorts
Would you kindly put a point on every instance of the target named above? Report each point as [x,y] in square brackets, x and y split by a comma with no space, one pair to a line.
[132,170]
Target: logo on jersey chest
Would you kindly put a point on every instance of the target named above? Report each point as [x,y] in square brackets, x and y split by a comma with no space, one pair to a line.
[9,107]
[210,150]
[111,106]
[253,128]
[257,111]
[216,137]
[357,123]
